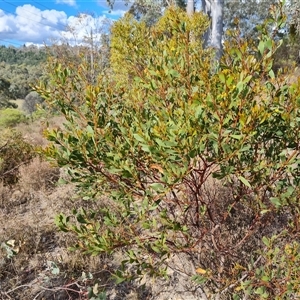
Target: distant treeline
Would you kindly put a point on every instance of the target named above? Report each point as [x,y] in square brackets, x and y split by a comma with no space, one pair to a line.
[24,55]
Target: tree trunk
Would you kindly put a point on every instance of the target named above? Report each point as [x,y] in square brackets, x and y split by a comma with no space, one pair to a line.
[217,26]
[213,36]
[190,7]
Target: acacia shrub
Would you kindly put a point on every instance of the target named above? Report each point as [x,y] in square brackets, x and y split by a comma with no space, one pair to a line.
[150,136]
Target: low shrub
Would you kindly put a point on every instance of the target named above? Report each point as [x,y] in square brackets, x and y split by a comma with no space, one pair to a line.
[31,102]
[14,152]
[10,117]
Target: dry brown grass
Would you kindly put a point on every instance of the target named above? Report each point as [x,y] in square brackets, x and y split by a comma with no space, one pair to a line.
[38,175]
[29,240]
[27,222]
[4,194]
[27,227]
[33,131]
[19,102]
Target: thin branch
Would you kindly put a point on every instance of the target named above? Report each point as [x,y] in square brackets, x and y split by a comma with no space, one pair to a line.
[3,146]
[242,278]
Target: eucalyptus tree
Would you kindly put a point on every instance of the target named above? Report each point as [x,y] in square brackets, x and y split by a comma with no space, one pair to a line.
[213,37]
[149,10]
[247,14]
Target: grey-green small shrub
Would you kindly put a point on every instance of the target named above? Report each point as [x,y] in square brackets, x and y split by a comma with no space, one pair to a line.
[10,117]
[32,101]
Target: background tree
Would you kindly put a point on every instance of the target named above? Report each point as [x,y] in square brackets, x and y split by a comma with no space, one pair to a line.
[249,13]
[90,38]
[21,77]
[190,7]
[150,11]
[293,44]
[5,94]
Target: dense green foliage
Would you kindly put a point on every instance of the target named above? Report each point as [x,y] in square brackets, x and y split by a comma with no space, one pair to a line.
[185,156]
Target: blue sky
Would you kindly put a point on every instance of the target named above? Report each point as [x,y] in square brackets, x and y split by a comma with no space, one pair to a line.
[40,21]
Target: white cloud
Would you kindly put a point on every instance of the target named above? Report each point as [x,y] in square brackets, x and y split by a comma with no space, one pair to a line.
[32,25]
[81,27]
[7,23]
[35,45]
[68,2]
